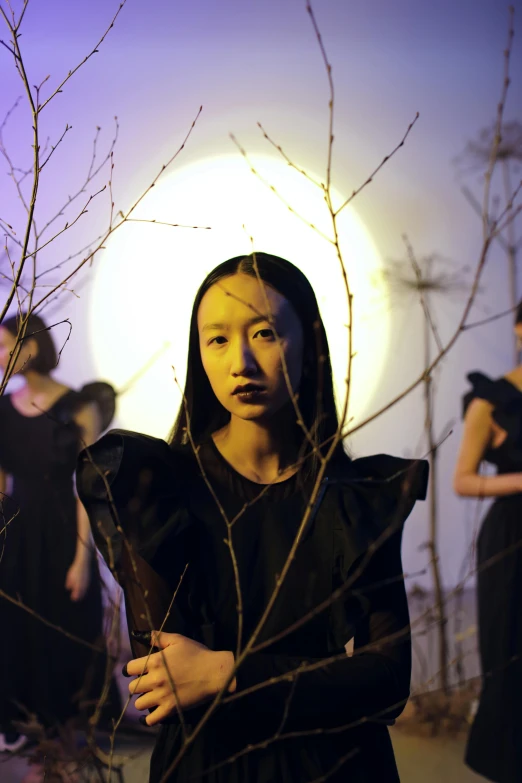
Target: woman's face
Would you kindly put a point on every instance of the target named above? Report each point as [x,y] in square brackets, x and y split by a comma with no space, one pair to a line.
[239,350]
[28,350]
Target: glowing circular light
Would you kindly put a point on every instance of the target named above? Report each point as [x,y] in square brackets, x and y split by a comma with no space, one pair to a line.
[147,278]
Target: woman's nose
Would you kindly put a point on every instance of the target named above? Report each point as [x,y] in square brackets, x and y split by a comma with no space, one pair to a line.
[243,362]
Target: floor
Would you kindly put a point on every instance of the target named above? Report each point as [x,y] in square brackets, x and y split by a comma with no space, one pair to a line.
[423,760]
[419,760]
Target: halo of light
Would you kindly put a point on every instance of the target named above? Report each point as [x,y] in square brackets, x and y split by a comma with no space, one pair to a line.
[147,277]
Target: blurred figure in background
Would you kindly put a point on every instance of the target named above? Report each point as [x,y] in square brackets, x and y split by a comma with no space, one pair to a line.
[493,432]
[47,559]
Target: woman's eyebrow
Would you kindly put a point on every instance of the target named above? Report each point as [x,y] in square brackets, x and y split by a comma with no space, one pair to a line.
[221,326]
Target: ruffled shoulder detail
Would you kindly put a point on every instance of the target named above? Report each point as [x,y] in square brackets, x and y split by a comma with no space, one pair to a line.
[102,394]
[499,393]
[371,498]
[133,487]
[388,484]
[396,477]
[374,497]
[507,413]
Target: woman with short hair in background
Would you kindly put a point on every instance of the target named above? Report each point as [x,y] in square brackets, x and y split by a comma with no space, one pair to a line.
[48,561]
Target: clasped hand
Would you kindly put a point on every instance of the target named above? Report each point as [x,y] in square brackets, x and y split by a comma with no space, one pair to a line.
[183,674]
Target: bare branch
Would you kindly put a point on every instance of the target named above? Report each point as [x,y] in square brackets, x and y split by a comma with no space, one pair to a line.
[489,320]
[91,174]
[125,217]
[68,225]
[275,192]
[48,623]
[36,166]
[287,159]
[54,147]
[71,257]
[420,288]
[379,167]
[498,126]
[71,73]
[328,68]
[163,223]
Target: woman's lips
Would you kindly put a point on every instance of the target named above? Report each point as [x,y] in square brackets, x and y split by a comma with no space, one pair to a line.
[250,392]
[251,396]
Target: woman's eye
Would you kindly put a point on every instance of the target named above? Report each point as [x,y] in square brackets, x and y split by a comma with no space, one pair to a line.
[219,340]
[265,333]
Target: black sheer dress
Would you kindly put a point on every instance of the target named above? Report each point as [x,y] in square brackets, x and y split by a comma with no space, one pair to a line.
[297,728]
[42,671]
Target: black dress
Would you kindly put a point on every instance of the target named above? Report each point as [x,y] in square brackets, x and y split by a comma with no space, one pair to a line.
[170,518]
[41,670]
[495,741]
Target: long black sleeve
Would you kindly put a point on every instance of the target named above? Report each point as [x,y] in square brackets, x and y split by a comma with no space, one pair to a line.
[372,683]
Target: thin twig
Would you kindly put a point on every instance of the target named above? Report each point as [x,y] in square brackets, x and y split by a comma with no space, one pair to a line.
[125,217]
[276,192]
[71,73]
[379,167]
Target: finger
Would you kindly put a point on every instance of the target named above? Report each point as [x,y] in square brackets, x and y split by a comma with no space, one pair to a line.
[147,701]
[126,673]
[159,714]
[142,684]
[139,666]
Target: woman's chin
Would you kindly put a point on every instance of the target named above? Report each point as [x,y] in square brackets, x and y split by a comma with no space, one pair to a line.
[259,412]
[252,412]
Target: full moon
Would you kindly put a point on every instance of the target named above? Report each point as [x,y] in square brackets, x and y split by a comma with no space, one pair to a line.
[148,275]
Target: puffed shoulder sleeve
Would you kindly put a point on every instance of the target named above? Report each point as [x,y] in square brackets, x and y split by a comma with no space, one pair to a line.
[398,477]
[380,492]
[132,487]
[483,388]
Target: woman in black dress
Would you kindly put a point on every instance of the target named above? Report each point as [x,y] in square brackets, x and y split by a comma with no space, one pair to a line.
[220,508]
[47,557]
[493,432]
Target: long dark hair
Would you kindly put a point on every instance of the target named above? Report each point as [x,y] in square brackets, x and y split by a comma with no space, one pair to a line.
[46,359]
[201,407]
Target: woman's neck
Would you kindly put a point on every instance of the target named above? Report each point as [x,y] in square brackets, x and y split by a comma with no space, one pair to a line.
[263,452]
[36,384]
[38,393]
